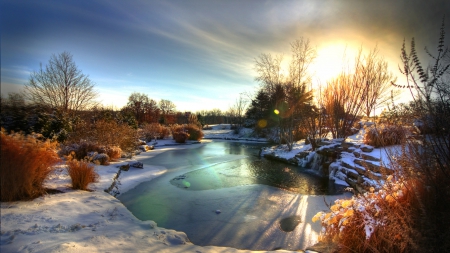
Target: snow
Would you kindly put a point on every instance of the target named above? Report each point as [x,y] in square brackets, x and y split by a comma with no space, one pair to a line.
[93,221]
[224,131]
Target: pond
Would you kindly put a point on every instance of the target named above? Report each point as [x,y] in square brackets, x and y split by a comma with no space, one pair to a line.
[224,194]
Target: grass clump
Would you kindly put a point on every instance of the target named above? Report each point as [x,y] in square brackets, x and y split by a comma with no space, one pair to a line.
[384,135]
[25,165]
[82,173]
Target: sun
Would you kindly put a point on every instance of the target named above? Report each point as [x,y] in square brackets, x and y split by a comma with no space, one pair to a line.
[331,61]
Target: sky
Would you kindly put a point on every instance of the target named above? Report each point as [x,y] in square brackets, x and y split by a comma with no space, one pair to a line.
[200,54]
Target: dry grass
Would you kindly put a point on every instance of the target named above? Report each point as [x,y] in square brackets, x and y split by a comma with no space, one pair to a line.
[82,174]
[409,214]
[385,135]
[25,164]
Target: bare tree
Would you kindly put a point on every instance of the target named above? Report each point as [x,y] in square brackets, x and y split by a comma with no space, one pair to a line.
[236,113]
[344,98]
[269,71]
[61,85]
[378,79]
[303,55]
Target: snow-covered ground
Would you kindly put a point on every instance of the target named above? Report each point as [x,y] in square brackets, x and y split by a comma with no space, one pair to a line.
[95,221]
[92,221]
[384,155]
[223,131]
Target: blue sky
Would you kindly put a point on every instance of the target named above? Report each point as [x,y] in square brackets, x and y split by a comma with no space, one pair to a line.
[200,54]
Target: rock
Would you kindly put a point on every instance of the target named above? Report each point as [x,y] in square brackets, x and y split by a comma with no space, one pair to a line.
[347,145]
[323,247]
[356,154]
[366,149]
[138,165]
[369,157]
[373,167]
[302,154]
[321,143]
[293,160]
[218,211]
[125,167]
[351,149]
[144,148]
[354,185]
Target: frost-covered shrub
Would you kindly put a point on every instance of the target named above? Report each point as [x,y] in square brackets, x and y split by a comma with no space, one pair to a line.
[82,173]
[384,135]
[25,164]
[154,131]
[114,152]
[101,159]
[373,220]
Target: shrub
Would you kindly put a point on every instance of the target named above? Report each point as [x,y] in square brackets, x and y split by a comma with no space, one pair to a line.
[82,174]
[101,159]
[105,133]
[154,131]
[114,152]
[26,163]
[195,132]
[180,137]
[410,212]
[384,135]
[374,220]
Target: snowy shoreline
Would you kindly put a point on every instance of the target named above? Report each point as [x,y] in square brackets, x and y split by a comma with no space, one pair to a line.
[92,221]
[95,221]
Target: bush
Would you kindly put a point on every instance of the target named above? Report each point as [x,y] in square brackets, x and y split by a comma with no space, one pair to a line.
[154,131]
[82,174]
[26,163]
[385,135]
[105,133]
[194,131]
[180,137]
[101,159]
[410,212]
[114,152]
[374,220]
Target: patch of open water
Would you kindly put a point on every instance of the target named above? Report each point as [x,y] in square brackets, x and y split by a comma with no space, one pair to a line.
[224,194]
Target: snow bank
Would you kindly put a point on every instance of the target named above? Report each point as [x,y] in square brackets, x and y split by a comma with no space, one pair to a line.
[92,221]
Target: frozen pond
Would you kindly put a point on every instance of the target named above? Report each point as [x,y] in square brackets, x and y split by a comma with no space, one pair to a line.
[223,194]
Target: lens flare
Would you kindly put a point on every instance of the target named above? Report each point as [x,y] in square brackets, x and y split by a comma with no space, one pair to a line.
[186,184]
[262,123]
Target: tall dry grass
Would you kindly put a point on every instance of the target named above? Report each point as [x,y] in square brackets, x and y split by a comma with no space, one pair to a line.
[82,173]
[25,165]
[385,135]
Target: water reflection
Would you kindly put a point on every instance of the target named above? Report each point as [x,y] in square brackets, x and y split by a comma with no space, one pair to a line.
[255,170]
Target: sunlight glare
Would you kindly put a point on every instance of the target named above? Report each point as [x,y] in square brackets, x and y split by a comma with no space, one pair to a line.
[331,60]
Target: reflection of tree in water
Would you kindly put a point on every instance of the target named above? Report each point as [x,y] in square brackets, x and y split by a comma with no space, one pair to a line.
[287,177]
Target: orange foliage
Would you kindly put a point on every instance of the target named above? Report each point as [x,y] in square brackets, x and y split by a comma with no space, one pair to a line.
[26,163]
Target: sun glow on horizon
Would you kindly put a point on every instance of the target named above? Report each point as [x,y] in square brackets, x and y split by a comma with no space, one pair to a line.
[331,60]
